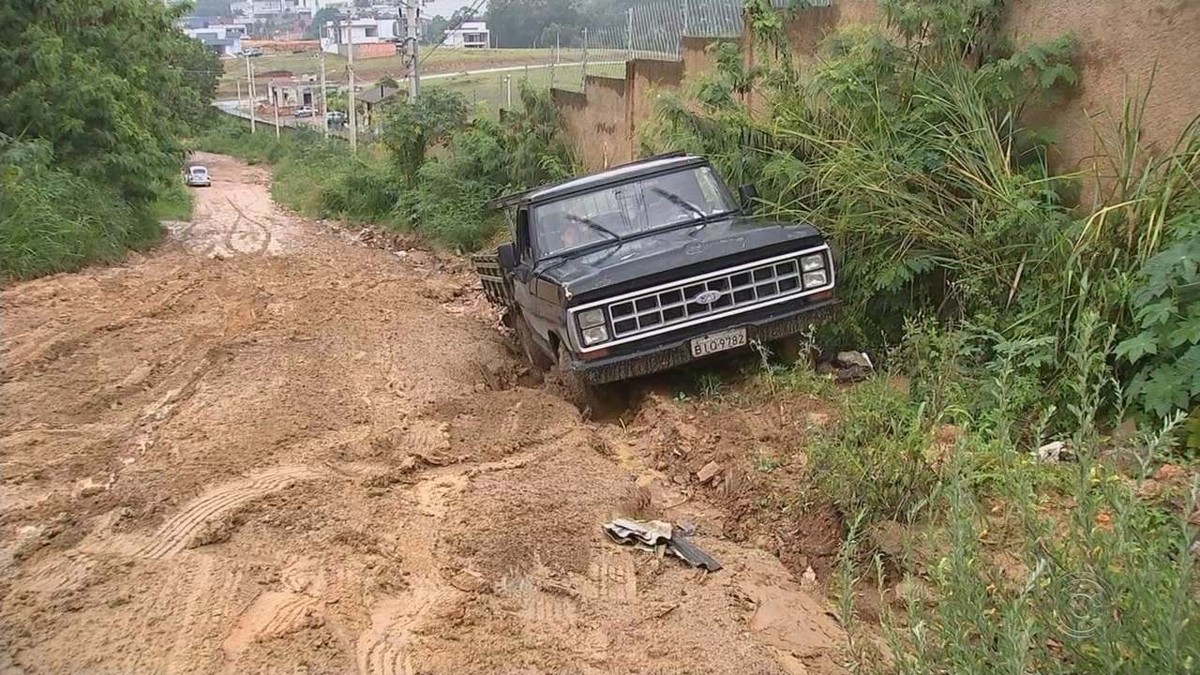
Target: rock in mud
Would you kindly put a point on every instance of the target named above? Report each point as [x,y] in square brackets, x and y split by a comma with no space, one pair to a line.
[708,472]
[854,360]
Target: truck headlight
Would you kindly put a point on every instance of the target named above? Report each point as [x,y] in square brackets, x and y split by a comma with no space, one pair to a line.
[815,279]
[594,335]
[812,262]
[591,318]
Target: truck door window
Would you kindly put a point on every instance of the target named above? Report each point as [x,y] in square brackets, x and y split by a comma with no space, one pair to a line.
[524,248]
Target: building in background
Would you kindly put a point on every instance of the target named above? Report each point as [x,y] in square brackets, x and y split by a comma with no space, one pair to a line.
[268,10]
[291,93]
[224,39]
[469,35]
[370,38]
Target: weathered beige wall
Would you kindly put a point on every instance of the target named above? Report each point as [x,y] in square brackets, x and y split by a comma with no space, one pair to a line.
[598,126]
[645,81]
[573,106]
[1122,44]
[698,56]
[806,31]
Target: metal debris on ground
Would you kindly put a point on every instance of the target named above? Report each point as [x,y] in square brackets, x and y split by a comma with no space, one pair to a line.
[650,535]
[852,367]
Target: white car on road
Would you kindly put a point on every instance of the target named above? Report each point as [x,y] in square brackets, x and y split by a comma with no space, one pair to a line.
[197,176]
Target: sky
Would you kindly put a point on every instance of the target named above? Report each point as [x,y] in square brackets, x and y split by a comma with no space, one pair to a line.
[447,7]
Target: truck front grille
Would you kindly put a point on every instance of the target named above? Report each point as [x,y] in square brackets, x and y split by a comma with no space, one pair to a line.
[707,296]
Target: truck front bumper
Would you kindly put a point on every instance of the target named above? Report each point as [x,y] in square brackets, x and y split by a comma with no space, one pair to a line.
[673,350]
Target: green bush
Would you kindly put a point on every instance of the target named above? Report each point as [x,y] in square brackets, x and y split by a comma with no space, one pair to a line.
[906,147]
[53,220]
[433,173]
[872,464]
[1007,300]
[90,120]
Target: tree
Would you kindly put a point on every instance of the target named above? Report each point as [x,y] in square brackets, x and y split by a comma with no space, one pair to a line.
[412,128]
[463,14]
[108,85]
[435,29]
[519,23]
[324,15]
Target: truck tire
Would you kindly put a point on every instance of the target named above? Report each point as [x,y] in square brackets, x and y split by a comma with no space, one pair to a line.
[534,354]
[577,390]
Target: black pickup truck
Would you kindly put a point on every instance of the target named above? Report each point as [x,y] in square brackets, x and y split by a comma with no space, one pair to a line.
[648,266]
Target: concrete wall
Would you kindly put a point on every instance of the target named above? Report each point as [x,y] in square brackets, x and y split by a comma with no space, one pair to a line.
[573,106]
[698,56]
[1121,43]
[807,30]
[606,126]
[645,82]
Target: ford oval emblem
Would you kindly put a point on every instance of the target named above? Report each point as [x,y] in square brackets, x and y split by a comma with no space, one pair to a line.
[707,297]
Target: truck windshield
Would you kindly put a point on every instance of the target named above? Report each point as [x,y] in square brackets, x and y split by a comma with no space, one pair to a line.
[628,209]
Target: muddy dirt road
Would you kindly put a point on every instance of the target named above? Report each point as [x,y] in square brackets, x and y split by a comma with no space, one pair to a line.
[264,448]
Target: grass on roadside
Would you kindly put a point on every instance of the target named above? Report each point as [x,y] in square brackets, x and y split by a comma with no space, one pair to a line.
[54,221]
[174,202]
[1010,562]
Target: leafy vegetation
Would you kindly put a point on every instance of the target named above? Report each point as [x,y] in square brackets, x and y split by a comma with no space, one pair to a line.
[94,96]
[432,173]
[907,146]
[1020,326]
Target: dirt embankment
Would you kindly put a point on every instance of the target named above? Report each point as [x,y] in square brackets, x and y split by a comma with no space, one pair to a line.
[264,448]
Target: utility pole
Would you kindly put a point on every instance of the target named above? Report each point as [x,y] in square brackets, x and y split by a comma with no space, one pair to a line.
[250,77]
[273,94]
[585,55]
[508,90]
[353,109]
[412,10]
[324,92]
[239,83]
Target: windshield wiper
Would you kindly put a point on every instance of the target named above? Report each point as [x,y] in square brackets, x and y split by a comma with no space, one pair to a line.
[593,224]
[679,201]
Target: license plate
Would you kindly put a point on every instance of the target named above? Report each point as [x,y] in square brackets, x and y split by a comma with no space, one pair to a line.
[719,342]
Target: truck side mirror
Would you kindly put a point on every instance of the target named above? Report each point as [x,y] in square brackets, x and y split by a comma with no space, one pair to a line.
[748,194]
[506,257]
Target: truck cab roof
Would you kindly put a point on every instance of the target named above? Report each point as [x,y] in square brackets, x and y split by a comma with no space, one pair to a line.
[601,179]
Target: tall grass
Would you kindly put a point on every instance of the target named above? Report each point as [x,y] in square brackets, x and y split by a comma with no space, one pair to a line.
[915,161]
[1016,314]
[52,220]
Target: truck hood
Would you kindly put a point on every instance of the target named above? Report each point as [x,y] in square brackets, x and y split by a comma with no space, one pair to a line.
[674,254]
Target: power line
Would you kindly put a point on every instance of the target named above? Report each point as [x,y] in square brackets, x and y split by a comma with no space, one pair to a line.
[473,8]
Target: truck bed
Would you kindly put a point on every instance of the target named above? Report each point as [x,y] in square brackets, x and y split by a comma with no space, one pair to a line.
[487,266]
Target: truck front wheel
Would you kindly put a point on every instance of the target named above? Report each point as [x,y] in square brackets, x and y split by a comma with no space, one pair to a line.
[575,388]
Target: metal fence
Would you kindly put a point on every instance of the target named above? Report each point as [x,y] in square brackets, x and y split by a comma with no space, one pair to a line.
[654,29]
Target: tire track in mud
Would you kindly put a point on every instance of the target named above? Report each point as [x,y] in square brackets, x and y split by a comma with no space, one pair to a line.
[266,240]
[72,569]
[182,619]
[175,535]
[271,614]
[384,648]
